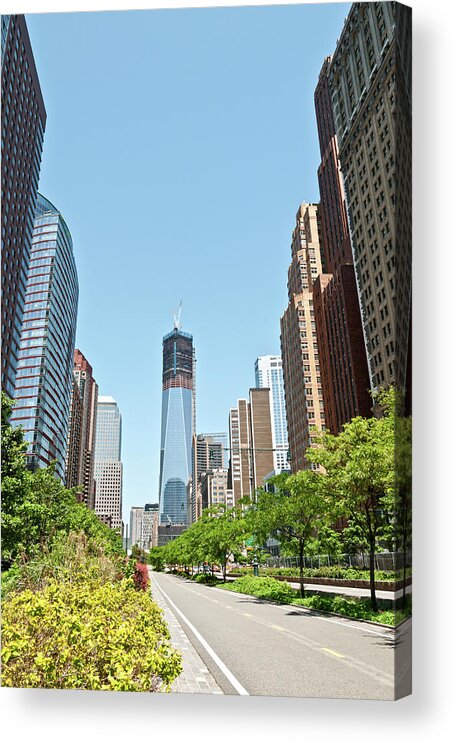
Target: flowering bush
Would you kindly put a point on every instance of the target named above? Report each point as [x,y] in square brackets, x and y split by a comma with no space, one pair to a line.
[141,576]
[87,635]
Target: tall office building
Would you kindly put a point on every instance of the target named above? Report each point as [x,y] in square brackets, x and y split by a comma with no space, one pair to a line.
[23,124]
[150,524]
[301,368]
[214,489]
[269,373]
[208,454]
[370,83]
[178,427]
[143,525]
[136,521]
[251,443]
[82,429]
[108,469]
[341,345]
[221,438]
[44,368]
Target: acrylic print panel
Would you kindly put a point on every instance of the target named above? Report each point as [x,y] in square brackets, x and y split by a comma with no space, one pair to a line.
[206,379]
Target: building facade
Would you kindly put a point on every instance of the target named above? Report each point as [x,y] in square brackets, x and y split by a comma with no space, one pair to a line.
[135,525]
[82,430]
[207,454]
[23,125]
[108,468]
[370,84]
[44,368]
[301,367]
[341,346]
[251,443]
[269,374]
[150,525]
[221,438]
[178,427]
[215,490]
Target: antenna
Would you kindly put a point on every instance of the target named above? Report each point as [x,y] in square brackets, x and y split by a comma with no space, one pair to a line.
[177,317]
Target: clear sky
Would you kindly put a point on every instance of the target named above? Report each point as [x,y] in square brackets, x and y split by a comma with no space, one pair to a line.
[179,145]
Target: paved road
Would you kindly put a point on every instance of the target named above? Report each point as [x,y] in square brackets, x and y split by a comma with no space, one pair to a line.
[256,648]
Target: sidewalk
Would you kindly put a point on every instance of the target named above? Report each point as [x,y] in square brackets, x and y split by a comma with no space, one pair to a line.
[358,592]
[195,677]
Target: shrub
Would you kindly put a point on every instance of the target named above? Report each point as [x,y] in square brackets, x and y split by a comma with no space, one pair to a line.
[353,608]
[141,576]
[262,587]
[67,558]
[206,578]
[86,635]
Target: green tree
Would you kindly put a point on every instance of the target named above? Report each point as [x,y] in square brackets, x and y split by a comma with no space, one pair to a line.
[223,533]
[36,505]
[403,487]
[156,557]
[359,466]
[14,478]
[295,512]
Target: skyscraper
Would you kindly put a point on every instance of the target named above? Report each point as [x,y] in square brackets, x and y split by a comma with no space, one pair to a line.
[370,83]
[82,429]
[251,443]
[108,469]
[301,368]
[223,439]
[269,373]
[341,345]
[178,426]
[136,521]
[44,367]
[214,489]
[208,454]
[23,124]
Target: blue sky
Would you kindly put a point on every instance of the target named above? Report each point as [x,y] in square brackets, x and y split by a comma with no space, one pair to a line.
[179,145]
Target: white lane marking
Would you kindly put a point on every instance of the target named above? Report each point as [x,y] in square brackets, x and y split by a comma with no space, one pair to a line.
[221,665]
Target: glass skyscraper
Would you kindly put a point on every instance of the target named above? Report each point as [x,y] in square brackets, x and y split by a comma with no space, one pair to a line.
[178,426]
[44,368]
[269,373]
[23,119]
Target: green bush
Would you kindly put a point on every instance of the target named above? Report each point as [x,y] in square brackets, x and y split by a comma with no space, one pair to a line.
[333,572]
[206,578]
[262,587]
[353,608]
[86,635]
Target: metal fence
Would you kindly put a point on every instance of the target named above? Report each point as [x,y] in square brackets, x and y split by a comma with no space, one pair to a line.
[388,561]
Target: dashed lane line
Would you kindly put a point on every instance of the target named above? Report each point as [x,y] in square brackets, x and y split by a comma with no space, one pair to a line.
[331,651]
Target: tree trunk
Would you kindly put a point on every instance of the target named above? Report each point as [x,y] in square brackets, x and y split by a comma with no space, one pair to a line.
[301,569]
[372,577]
[224,569]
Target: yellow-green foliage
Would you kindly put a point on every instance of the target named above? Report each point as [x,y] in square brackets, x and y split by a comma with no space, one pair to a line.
[86,635]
